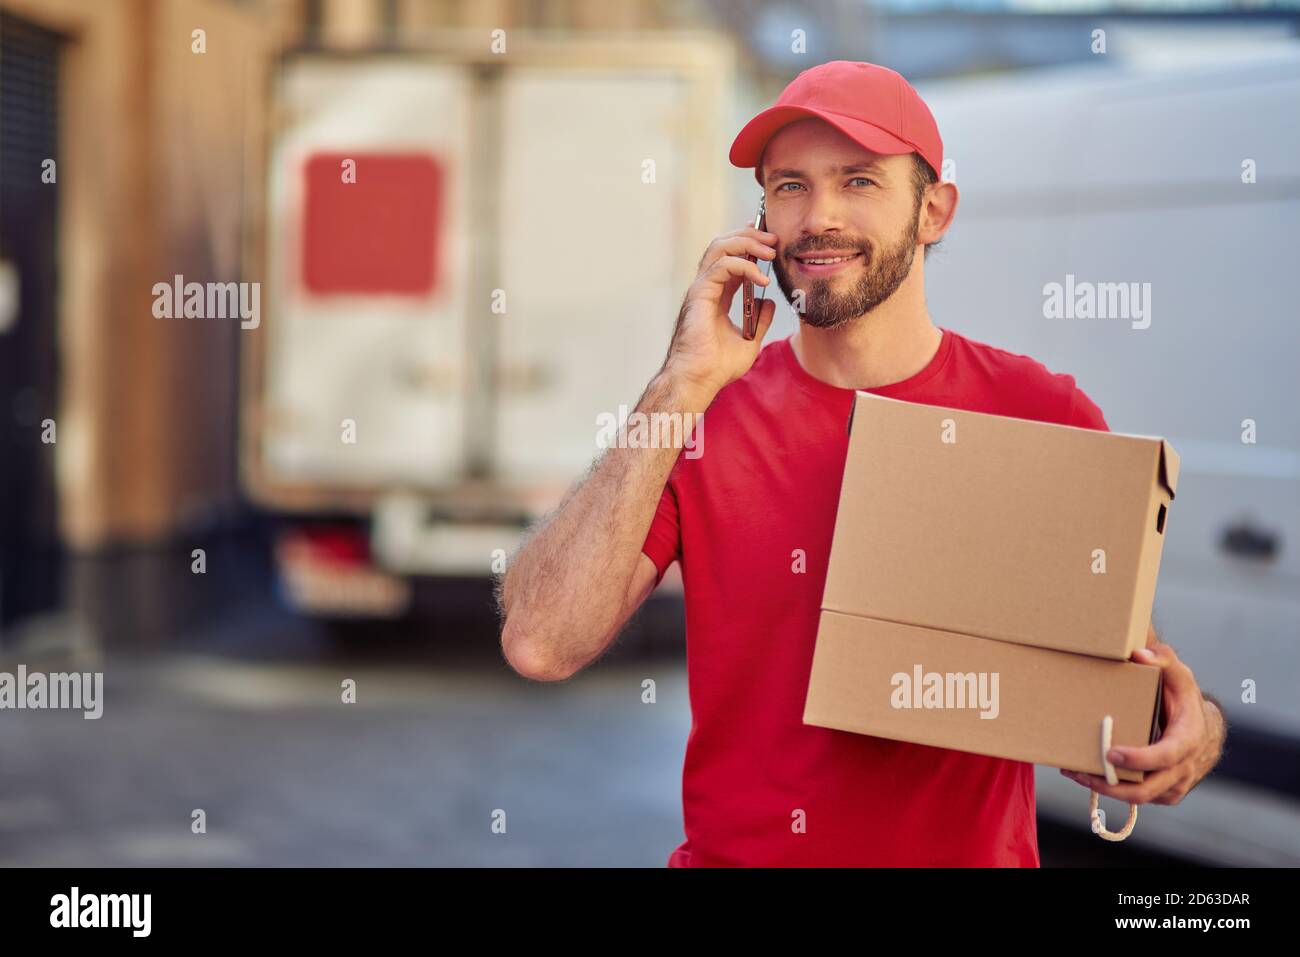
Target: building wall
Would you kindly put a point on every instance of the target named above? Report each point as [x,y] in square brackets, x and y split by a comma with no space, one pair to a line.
[156,176]
[162,174]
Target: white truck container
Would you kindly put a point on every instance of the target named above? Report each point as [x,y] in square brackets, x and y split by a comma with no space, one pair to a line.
[574,184]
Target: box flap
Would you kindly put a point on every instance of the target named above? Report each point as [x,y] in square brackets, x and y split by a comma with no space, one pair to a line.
[1168,468]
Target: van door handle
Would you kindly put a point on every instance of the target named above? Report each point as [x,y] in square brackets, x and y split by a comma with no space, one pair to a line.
[1245,539]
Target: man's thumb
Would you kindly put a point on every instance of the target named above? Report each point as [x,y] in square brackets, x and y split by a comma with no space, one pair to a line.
[765,318]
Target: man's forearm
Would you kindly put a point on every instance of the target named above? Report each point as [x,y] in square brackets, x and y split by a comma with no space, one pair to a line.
[565,590]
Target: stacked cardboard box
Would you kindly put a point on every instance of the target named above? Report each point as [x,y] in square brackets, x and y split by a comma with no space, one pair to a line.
[989,579]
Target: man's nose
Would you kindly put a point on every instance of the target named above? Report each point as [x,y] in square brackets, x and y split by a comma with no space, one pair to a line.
[823,214]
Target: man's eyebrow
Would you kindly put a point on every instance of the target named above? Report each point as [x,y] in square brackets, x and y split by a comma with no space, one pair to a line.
[791,173]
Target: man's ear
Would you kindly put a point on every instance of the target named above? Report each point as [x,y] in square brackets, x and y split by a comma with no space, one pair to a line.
[938,209]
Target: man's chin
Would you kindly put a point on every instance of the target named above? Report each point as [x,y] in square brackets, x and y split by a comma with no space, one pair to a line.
[841,314]
[829,322]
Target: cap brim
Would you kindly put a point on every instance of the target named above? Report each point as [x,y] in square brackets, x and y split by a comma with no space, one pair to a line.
[747,148]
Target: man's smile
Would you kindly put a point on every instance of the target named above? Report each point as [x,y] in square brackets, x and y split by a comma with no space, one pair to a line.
[825,263]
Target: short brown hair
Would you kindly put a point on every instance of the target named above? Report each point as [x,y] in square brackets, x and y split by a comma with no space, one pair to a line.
[923,175]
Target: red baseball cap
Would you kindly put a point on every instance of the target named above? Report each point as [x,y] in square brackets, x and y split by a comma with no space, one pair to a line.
[872,105]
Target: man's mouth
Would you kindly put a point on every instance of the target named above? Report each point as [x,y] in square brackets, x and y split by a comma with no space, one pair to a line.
[823,263]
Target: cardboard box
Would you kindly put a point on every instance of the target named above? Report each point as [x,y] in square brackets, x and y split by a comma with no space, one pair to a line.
[1045,707]
[1026,532]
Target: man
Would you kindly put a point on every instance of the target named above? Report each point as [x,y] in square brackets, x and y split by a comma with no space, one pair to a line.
[849,161]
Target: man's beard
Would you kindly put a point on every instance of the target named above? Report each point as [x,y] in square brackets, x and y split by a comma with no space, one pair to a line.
[883,271]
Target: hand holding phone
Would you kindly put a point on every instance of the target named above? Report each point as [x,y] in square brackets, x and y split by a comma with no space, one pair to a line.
[705,350]
[752,307]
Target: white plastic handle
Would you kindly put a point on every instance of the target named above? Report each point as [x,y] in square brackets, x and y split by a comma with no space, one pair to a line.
[1107,730]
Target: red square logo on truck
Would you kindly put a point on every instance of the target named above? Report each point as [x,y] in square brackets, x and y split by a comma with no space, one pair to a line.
[377,235]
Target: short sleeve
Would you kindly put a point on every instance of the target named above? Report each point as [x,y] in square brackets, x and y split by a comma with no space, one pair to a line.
[663,541]
[1084,413]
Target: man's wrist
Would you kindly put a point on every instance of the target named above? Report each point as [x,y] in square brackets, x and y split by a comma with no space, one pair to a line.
[1217,723]
[672,391]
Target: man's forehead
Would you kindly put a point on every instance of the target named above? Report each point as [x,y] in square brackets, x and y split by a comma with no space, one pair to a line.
[812,147]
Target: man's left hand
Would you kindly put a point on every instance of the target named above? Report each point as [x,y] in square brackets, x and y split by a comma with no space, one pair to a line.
[1189,749]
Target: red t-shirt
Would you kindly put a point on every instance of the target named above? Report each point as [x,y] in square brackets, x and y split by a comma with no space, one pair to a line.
[766,483]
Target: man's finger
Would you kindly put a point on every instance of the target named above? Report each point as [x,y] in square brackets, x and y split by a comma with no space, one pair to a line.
[1175,747]
[766,311]
[741,245]
[1142,792]
[734,268]
[1186,719]
[736,236]
[1182,738]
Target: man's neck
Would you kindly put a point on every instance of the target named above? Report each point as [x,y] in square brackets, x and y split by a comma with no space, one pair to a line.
[893,342]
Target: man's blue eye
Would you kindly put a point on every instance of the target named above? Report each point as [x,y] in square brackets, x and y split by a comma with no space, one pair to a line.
[856,179]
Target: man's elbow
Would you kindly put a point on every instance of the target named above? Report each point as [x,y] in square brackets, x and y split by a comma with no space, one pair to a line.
[527,659]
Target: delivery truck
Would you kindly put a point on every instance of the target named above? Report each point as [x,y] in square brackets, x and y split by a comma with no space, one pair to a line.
[473,255]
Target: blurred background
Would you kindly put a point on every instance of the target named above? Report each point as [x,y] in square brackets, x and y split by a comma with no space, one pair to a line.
[232,519]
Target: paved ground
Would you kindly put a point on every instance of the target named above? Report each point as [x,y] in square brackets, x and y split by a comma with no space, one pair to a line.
[411,774]
[245,721]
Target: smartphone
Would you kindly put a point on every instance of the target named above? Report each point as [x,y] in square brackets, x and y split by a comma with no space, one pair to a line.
[752,307]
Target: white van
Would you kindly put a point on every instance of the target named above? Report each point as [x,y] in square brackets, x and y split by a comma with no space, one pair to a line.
[1183,183]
